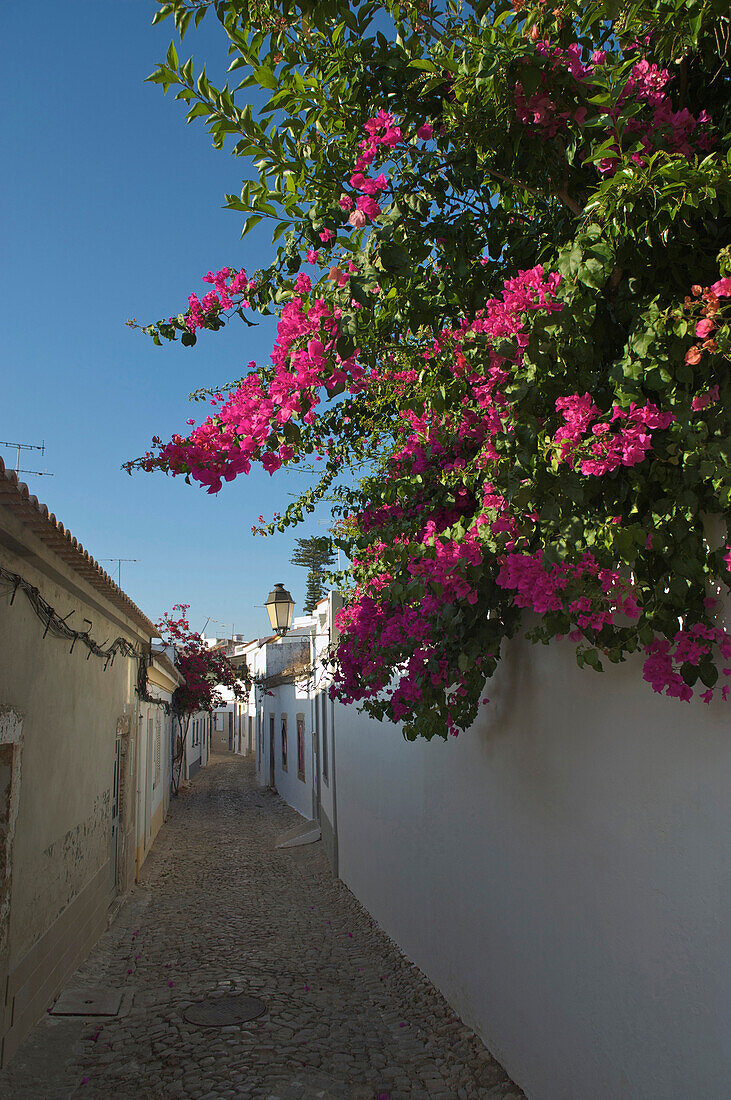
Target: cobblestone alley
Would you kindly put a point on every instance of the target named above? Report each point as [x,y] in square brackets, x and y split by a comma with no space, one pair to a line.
[219,910]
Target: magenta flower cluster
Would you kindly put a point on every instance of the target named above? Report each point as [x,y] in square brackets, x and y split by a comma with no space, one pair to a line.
[623,439]
[230,288]
[440,553]
[656,126]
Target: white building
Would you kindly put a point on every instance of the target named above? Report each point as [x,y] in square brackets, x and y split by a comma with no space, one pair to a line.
[198,733]
[155,748]
[560,871]
[293,716]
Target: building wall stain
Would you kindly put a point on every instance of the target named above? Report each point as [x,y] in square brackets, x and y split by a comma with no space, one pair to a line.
[66,865]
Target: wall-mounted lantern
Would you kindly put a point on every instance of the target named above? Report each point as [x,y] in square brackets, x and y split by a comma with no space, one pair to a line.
[280,608]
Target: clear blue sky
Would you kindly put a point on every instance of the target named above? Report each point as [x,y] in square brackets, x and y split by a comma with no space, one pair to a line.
[112,209]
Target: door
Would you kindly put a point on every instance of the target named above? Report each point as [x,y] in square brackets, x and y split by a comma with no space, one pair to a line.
[114,842]
[271,752]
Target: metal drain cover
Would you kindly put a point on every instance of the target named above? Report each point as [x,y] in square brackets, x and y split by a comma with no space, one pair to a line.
[88,1002]
[225,1011]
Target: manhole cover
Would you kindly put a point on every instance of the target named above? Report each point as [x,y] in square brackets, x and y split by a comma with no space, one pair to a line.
[87,1002]
[225,1011]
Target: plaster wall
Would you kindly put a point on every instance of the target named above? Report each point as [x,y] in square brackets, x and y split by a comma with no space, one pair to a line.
[194,752]
[289,700]
[282,655]
[153,786]
[303,698]
[70,708]
[561,871]
[72,712]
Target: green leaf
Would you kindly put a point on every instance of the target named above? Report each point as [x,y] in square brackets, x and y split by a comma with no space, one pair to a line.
[265,77]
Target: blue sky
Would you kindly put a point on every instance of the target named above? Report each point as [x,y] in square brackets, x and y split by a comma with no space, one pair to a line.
[112,209]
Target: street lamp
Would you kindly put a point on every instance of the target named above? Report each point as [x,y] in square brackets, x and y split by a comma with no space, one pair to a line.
[280,607]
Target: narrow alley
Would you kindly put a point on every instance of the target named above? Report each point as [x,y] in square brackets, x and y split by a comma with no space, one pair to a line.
[219,911]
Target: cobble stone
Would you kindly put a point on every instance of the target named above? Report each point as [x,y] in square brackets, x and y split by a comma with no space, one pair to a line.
[219,910]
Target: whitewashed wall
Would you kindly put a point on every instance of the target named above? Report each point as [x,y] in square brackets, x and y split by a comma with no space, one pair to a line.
[290,700]
[561,872]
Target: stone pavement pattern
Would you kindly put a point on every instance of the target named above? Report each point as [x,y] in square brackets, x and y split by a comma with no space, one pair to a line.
[218,910]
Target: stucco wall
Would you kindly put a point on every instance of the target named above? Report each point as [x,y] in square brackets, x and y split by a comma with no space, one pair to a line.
[72,711]
[153,786]
[561,871]
[289,700]
[70,708]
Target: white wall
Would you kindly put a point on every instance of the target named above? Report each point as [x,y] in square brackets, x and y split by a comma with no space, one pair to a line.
[290,700]
[561,872]
[194,741]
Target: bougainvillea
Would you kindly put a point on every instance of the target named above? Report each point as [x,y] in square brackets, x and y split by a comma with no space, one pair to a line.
[205,669]
[503,294]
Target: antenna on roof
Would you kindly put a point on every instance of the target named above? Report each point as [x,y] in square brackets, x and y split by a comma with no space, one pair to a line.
[119,567]
[27,447]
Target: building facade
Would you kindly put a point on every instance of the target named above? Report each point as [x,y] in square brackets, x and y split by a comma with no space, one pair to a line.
[74,650]
[560,871]
[154,738]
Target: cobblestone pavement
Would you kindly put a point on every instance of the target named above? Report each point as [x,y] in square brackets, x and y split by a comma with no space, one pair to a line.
[220,909]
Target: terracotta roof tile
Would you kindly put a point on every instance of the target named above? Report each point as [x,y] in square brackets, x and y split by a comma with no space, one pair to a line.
[16,497]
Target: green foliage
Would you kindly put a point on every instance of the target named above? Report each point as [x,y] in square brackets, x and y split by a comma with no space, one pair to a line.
[488,197]
[315,554]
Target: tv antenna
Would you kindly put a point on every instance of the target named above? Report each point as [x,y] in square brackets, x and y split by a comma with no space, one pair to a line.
[119,566]
[27,447]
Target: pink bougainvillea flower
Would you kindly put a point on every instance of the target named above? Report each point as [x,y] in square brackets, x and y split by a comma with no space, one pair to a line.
[722,288]
[368,206]
[702,401]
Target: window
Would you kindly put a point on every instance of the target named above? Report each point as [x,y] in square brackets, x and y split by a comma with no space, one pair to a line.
[301,747]
[284,741]
[325,772]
